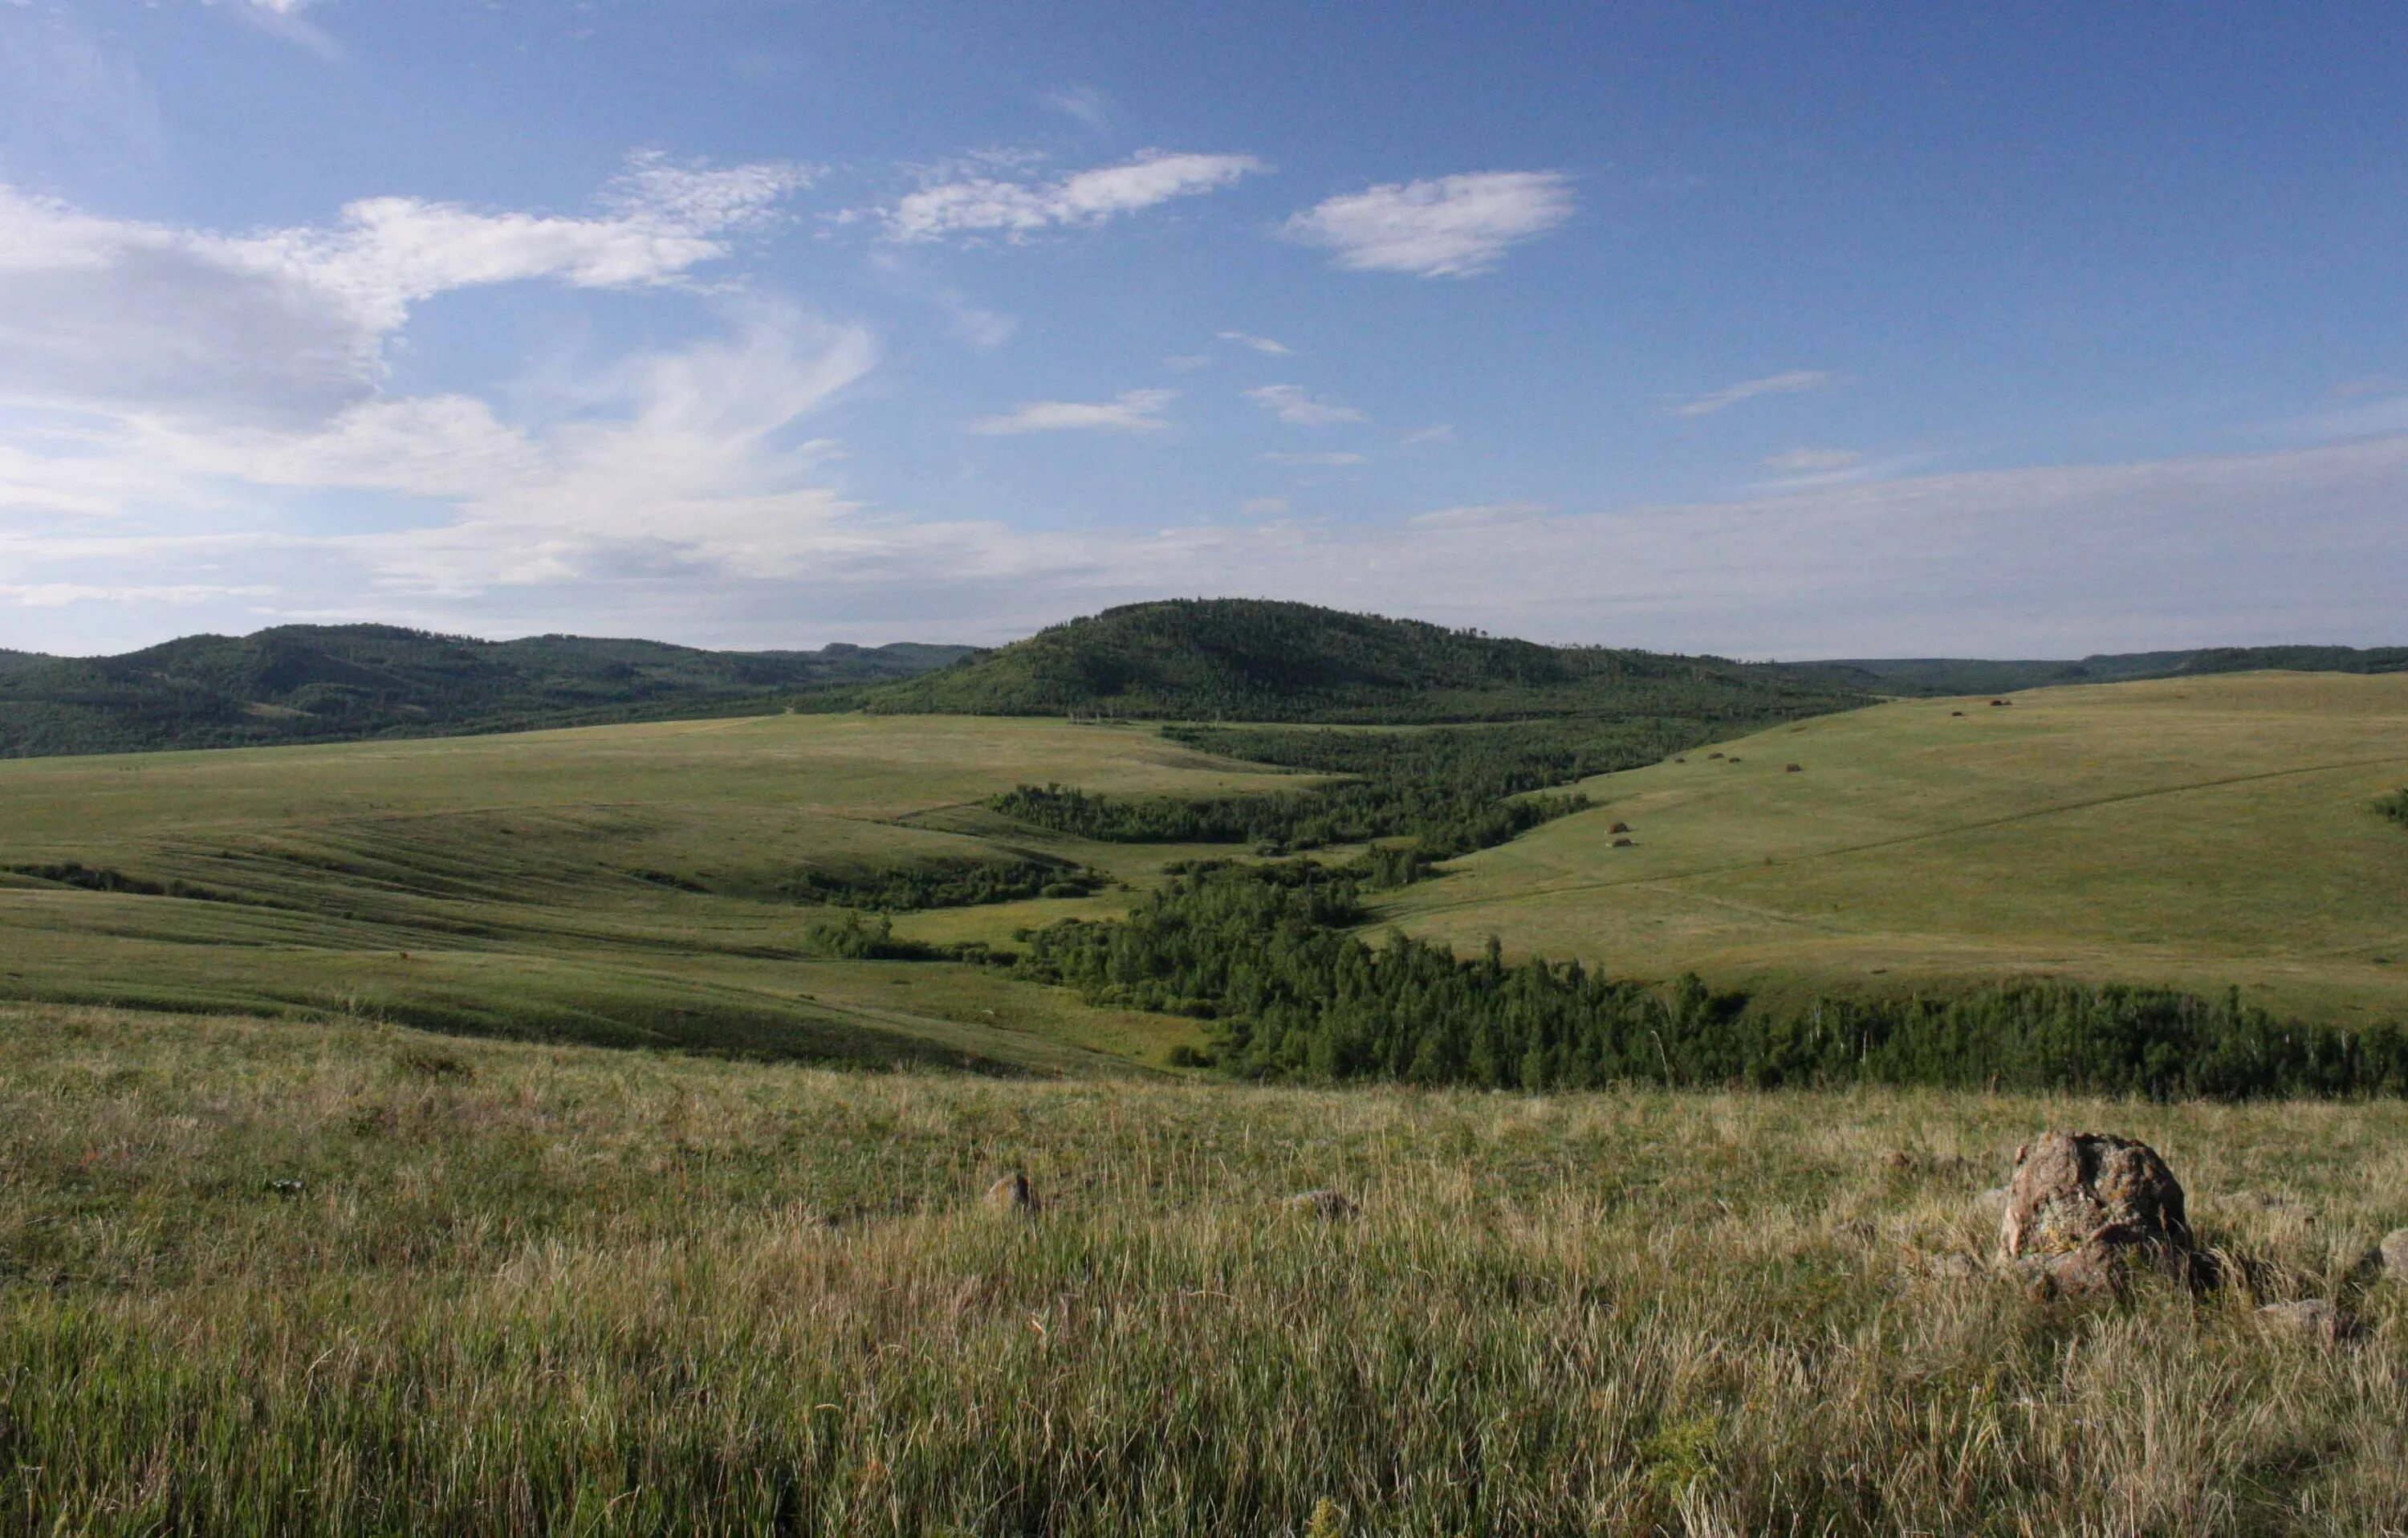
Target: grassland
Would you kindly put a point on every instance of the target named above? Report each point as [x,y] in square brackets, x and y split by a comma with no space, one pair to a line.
[625,884]
[2200,832]
[276,1276]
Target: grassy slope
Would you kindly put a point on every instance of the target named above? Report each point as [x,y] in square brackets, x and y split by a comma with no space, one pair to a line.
[522,1289]
[489,882]
[2202,831]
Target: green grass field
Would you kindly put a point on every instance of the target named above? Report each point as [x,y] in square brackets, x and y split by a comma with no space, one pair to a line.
[2199,832]
[271,1261]
[497,883]
[331,1276]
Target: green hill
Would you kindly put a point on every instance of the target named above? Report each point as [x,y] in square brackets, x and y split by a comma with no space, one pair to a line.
[1255,660]
[304,683]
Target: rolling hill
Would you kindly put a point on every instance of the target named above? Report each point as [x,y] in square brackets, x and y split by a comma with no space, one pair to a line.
[1255,660]
[308,684]
[2212,831]
[644,884]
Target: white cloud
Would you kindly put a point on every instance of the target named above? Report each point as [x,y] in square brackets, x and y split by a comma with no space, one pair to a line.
[1017,209]
[1441,432]
[2055,561]
[1796,382]
[60,595]
[1452,226]
[1290,404]
[1260,344]
[1263,506]
[1812,461]
[1132,412]
[115,315]
[1332,461]
[1187,363]
[1480,515]
[1084,105]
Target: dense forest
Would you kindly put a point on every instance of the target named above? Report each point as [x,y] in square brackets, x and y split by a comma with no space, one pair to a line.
[1231,659]
[1265,952]
[310,684]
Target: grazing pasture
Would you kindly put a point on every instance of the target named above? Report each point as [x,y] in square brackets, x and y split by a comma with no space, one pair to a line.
[2198,832]
[636,885]
[249,1268]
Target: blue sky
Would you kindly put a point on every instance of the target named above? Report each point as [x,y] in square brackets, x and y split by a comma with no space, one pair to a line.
[1791,331]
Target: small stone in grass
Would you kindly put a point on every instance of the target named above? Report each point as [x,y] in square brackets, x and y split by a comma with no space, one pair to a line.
[2309,1319]
[2393,1255]
[1012,1194]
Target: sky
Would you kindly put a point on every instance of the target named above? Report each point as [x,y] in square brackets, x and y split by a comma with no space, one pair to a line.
[1795,331]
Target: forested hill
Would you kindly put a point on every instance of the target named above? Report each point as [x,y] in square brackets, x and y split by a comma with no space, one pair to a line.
[1968,675]
[1254,660]
[302,683]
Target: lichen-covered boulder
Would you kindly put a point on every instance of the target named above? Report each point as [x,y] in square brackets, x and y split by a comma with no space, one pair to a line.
[2071,1188]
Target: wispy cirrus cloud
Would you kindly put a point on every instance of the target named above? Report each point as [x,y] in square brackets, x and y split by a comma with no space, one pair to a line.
[1131,412]
[1797,381]
[1084,105]
[1328,461]
[1812,461]
[1290,404]
[1479,515]
[1260,344]
[1452,226]
[1015,208]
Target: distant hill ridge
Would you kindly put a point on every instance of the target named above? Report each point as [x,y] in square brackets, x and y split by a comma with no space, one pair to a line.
[1244,659]
[311,683]
[1970,675]
[1190,659]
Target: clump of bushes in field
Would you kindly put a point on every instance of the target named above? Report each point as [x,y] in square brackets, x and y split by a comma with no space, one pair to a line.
[854,936]
[1265,953]
[2395,806]
[955,884]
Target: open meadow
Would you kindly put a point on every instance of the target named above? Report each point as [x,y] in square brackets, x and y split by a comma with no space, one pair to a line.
[279,1276]
[2200,832]
[642,884]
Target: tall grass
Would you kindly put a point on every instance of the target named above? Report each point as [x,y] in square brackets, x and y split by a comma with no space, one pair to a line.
[283,1278]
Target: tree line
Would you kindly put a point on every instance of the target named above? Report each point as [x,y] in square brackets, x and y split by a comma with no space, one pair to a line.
[1449,790]
[1265,955]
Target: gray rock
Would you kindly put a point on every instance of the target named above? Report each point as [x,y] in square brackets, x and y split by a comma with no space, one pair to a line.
[2393,1255]
[2309,1319]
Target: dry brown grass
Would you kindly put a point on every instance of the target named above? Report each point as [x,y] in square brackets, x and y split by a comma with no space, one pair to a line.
[521,1289]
